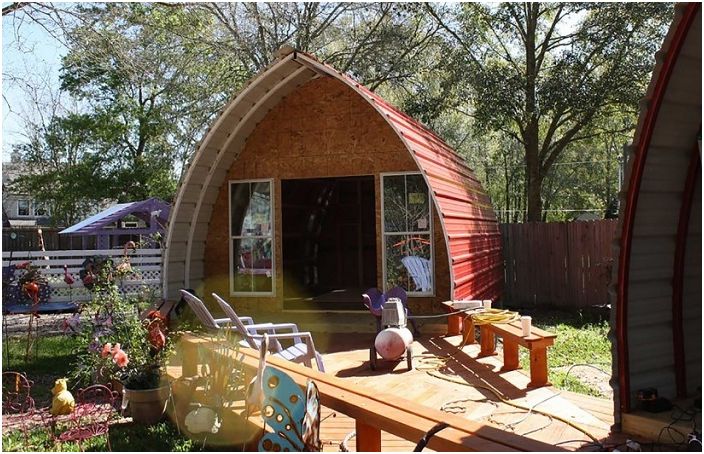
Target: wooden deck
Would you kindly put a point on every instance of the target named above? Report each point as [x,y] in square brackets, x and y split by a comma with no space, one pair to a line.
[453,380]
[464,384]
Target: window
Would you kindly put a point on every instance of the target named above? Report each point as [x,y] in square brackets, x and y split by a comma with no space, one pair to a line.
[407,233]
[23,208]
[251,237]
[41,209]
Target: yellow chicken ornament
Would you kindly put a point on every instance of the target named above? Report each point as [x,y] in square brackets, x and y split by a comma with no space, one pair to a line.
[63,402]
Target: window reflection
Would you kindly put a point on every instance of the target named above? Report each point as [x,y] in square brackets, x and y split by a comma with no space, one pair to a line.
[251,230]
[407,233]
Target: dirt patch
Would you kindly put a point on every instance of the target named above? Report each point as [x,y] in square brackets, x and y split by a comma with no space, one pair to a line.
[47,324]
[591,376]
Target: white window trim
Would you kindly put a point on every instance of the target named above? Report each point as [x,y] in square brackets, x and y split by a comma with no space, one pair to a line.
[29,208]
[231,237]
[384,234]
[35,204]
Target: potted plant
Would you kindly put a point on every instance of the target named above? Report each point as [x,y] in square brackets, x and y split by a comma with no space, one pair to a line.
[124,349]
[145,391]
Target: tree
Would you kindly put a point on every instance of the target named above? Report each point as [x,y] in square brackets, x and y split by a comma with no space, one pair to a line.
[544,73]
[151,85]
[62,171]
[375,42]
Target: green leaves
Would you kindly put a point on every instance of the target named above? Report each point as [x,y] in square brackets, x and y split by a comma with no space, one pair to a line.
[546,73]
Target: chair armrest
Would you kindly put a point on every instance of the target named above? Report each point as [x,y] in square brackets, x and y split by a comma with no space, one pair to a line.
[296,336]
[225,321]
[272,327]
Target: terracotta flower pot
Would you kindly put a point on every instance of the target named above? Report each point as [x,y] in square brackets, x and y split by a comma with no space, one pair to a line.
[147,406]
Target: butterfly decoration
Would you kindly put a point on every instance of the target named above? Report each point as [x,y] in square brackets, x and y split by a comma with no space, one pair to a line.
[295,420]
[311,420]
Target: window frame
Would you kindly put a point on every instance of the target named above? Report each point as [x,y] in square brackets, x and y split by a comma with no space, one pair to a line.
[272,236]
[430,232]
[29,208]
[36,206]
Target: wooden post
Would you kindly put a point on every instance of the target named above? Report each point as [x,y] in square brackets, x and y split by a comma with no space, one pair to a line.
[468,330]
[368,437]
[510,355]
[538,366]
[454,324]
[487,341]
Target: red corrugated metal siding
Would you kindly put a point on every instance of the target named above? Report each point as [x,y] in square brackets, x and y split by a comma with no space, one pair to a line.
[471,229]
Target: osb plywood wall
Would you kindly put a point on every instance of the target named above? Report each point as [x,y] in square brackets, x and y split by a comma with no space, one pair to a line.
[323,129]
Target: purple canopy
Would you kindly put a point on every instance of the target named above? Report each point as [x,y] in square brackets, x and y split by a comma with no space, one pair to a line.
[153,211]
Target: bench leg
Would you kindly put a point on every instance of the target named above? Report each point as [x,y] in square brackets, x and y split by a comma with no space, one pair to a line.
[487,341]
[468,331]
[510,356]
[454,325]
[538,367]
[368,437]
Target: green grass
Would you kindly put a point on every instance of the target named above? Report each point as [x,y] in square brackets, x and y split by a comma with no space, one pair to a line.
[123,437]
[581,339]
[53,355]
[54,359]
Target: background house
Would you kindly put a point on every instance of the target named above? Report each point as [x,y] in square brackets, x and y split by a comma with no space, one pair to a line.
[21,209]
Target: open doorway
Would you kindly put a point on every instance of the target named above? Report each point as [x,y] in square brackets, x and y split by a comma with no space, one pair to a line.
[328,241]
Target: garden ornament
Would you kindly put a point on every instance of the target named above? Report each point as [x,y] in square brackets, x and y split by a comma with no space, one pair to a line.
[63,402]
[202,419]
[293,417]
[23,265]
[68,279]
[32,290]
[255,390]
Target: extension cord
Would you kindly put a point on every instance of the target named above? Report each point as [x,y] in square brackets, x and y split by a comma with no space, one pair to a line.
[497,393]
[490,316]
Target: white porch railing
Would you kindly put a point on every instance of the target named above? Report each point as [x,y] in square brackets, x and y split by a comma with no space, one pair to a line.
[146,264]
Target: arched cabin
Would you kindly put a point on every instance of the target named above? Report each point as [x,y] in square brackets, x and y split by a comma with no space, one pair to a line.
[309,188]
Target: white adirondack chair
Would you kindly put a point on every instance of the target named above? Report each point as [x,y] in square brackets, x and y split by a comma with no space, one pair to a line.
[302,350]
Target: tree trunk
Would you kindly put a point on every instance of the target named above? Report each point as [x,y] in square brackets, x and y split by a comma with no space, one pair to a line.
[532,132]
[533,185]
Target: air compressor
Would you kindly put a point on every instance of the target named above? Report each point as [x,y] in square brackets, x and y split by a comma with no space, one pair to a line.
[394,338]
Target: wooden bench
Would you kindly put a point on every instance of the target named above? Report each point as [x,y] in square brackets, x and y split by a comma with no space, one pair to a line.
[512,334]
[455,322]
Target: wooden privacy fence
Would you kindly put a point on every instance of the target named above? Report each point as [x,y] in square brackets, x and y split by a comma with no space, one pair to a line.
[146,264]
[27,239]
[564,264]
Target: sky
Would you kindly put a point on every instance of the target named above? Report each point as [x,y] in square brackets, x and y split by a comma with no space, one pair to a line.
[32,55]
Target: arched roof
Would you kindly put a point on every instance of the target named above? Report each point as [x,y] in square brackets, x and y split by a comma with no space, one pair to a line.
[656,201]
[467,218]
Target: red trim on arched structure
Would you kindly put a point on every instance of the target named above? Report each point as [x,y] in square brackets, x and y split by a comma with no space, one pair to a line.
[678,273]
[632,201]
